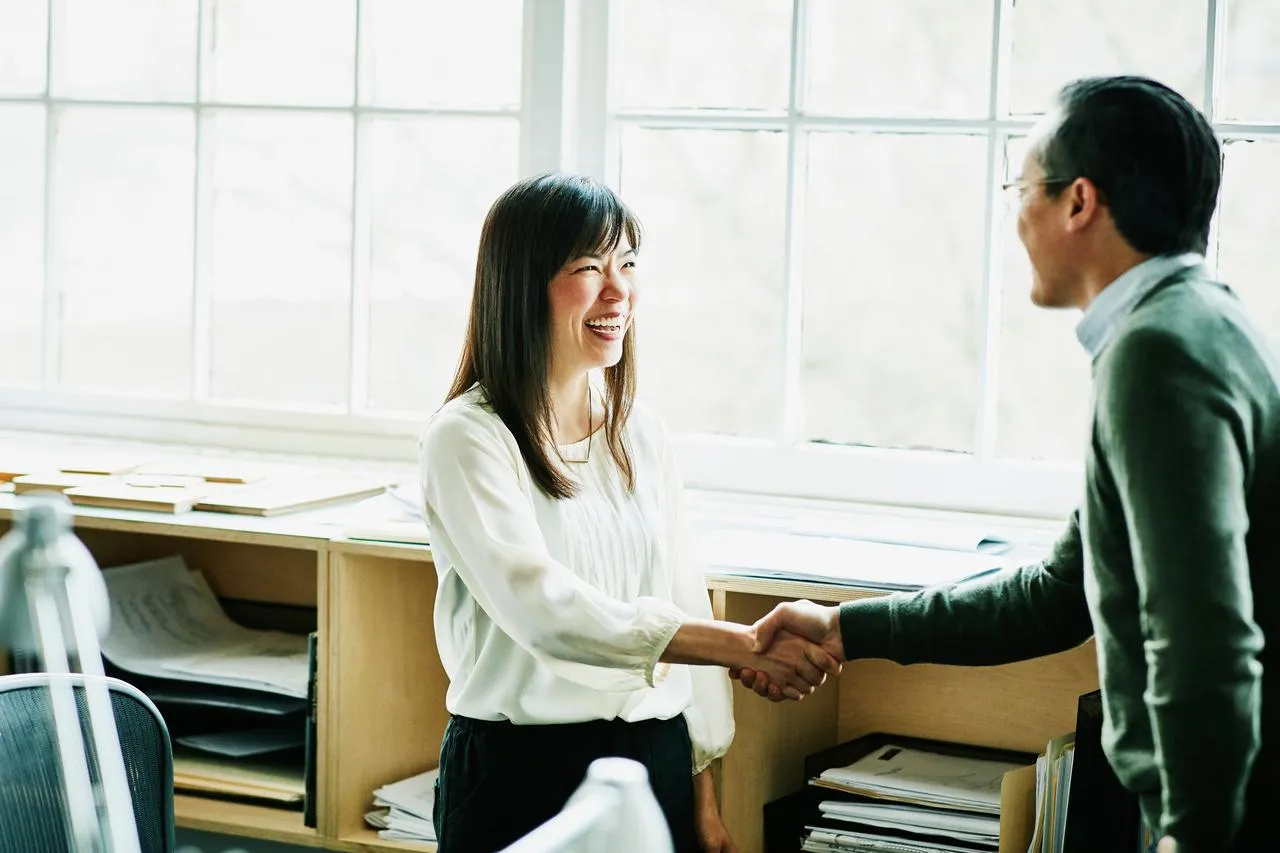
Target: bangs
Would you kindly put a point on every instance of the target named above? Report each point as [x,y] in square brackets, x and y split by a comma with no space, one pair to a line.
[606,222]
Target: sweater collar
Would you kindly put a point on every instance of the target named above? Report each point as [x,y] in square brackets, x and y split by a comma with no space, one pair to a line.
[1117,300]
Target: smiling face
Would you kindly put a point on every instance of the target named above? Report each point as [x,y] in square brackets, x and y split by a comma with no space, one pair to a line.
[593,301]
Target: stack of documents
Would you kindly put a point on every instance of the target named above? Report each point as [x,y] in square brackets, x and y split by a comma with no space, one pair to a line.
[1053,784]
[404,809]
[904,800]
[167,623]
[235,699]
[787,555]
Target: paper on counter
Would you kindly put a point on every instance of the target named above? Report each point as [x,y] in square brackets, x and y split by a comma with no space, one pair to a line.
[825,559]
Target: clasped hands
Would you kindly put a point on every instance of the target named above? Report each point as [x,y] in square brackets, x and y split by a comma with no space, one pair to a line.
[797,645]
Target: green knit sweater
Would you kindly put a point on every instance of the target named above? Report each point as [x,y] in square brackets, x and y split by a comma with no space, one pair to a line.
[1171,563]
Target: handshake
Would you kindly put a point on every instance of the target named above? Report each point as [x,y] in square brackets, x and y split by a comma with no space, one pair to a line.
[797,645]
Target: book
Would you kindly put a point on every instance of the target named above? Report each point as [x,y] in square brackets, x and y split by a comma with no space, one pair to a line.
[119,495]
[54,481]
[309,740]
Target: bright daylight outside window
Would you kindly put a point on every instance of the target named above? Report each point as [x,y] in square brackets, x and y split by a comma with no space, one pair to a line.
[250,203]
[264,213]
[828,257]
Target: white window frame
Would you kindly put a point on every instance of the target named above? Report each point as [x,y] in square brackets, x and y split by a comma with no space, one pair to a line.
[978,482]
[566,122]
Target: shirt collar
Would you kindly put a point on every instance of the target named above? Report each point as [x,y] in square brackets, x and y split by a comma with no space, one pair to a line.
[1116,301]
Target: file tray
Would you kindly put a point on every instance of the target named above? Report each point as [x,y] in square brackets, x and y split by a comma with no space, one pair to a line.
[786,817]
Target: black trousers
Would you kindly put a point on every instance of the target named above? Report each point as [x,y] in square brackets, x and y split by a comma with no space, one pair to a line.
[500,781]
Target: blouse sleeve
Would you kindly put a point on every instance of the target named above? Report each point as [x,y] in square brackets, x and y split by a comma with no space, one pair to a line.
[480,518]
[710,716]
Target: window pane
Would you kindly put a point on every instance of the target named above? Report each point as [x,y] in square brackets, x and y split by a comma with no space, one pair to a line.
[1248,252]
[1056,41]
[123,184]
[416,53]
[281,52]
[23,38]
[909,57]
[713,53]
[1042,405]
[280,256]
[21,242]
[1251,89]
[432,181]
[891,316]
[710,329]
[132,50]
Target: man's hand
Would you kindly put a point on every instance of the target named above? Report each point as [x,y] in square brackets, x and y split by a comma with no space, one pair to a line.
[791,666]
[813,622]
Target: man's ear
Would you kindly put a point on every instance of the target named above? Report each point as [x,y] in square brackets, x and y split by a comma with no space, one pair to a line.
[1085,204]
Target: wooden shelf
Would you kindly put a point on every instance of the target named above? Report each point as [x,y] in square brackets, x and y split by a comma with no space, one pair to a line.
[368,840]
[230,818]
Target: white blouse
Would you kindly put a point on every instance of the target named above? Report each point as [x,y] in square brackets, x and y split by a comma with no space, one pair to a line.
[556,611]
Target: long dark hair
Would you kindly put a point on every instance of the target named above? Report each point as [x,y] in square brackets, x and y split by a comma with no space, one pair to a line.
[531,231]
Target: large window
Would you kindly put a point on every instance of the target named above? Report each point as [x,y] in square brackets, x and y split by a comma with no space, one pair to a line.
[255,221]
[247,205]
[829,259]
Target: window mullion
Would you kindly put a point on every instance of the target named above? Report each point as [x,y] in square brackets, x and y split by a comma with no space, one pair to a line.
[987,419]
[51,320]
[1214,63]
[359,247]
[542,86]
[792,410]
[200,283]
[587,142]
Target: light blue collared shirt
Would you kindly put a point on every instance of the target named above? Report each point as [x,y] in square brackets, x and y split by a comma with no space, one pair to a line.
[1117,301]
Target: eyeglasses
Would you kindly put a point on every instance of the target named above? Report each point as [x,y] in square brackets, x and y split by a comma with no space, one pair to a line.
[1022,184]
[1015,192]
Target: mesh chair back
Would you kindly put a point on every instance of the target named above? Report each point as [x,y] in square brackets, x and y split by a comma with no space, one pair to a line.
[33,812]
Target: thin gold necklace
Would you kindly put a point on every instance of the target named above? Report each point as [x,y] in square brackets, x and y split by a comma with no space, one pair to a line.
[591,434]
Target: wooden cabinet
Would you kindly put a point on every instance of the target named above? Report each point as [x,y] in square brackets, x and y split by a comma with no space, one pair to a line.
[381,687]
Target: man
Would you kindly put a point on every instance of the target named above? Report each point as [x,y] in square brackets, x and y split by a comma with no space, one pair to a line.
[1171,561]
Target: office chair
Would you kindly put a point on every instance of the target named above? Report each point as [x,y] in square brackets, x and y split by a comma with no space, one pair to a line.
[613,809]
[33,811]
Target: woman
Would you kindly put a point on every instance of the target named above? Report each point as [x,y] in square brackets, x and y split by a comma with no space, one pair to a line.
[568,598]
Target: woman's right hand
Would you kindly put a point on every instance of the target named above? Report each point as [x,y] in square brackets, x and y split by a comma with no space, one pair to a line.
[794,666]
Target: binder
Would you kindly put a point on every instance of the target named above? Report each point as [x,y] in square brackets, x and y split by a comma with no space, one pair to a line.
[1102,814]
[309,760]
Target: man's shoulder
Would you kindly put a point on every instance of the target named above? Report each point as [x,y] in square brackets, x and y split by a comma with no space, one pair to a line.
[1198,318]
[1190,337]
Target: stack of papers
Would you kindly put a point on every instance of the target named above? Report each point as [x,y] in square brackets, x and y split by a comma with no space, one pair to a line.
[277,782]
[1053,783]
[830,559]
[235,699]
[404,809]
[911,801]
[167,623]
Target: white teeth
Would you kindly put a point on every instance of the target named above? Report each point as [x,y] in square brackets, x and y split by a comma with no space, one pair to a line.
[613,323]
